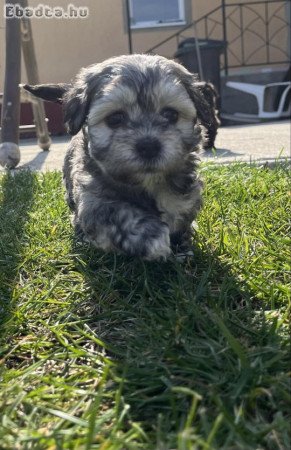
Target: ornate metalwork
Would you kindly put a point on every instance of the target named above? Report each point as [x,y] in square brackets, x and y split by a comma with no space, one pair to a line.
[263,24]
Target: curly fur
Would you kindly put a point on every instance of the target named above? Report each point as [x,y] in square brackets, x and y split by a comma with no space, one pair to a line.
[211,122]
[133,187]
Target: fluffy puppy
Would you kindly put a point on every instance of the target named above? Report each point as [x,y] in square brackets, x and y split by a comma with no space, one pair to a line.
[131,169]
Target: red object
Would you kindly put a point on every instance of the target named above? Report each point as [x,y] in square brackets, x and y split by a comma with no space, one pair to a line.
[54,115]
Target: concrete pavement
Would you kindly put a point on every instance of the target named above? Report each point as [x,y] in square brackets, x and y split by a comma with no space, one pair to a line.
[258,143]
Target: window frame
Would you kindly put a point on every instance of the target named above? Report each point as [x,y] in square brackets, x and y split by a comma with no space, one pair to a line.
[153,24]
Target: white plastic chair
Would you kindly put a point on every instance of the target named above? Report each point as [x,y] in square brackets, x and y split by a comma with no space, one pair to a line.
[262,94]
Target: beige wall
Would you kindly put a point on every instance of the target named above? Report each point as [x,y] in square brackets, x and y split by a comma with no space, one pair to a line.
[63,46]
[251,22]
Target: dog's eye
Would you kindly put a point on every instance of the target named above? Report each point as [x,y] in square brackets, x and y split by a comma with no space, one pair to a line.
[170,114]
[115,119]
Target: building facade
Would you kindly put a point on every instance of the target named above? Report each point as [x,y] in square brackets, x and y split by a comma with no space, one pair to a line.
[64,45]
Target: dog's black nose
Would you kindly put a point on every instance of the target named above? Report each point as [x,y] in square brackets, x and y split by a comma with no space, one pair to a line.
[148,147]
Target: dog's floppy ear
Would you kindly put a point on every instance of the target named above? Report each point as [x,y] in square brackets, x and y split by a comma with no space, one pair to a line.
[49,92]
[87,84]
[195,91]
[209,92]
[72,97]
[76,106]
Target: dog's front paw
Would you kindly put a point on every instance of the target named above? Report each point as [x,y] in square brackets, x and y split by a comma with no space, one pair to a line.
[149,238]
[159,247]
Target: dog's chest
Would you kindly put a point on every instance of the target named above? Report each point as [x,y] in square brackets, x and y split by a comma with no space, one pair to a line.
[174,207]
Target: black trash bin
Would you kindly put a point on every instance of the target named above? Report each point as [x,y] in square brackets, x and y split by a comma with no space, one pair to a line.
[210,51]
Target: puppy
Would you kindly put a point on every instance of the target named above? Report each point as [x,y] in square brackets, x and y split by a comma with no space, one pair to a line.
[131,170]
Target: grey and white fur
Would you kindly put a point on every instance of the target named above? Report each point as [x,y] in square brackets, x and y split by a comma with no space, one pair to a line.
[131,168]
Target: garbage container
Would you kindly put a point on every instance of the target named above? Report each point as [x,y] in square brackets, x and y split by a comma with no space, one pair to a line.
[210,51]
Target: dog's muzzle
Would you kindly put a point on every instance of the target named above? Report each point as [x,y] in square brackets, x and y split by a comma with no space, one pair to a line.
[148,148]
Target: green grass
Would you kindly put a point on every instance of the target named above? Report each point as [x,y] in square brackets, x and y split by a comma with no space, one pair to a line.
[108,352]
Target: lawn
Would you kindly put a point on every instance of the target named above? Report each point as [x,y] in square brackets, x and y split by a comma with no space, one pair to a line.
[107,352]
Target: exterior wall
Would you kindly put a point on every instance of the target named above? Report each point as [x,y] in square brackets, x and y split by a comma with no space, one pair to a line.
[253,16]
[63,46]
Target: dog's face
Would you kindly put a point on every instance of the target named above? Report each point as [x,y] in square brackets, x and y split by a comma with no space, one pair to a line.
[139,112]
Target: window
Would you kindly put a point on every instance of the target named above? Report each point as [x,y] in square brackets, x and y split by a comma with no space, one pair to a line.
[156,13]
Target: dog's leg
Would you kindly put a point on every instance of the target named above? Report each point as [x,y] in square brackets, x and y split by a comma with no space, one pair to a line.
[112,225]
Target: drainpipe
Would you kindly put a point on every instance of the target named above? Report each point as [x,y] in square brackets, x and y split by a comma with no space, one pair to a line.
[288,14]
[223,11]
[128,21]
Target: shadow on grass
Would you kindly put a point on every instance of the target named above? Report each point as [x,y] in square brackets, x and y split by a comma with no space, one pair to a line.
[195,362]
[196,356]
[16,198]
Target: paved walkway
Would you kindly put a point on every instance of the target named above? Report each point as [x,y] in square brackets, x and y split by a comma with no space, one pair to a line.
[259,143]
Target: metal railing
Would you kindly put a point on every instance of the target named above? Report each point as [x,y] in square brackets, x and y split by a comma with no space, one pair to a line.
[256,32]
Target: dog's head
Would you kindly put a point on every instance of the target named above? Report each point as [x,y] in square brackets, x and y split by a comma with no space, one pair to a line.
[139,112]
